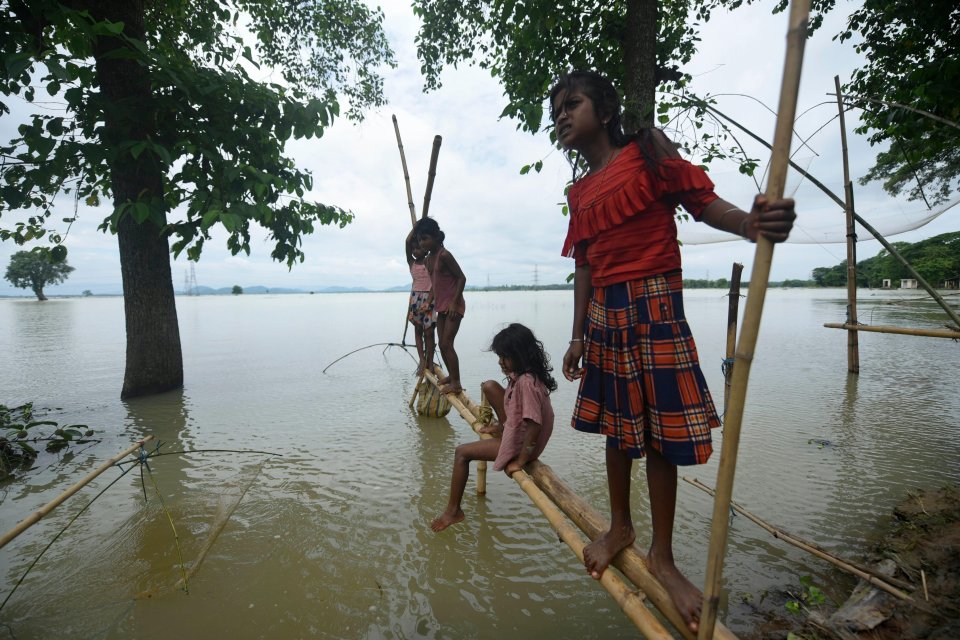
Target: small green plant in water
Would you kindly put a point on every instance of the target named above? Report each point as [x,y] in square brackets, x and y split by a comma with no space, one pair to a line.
[22,434]
[810,596]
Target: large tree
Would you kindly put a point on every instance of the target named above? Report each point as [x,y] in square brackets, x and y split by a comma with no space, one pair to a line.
[36,269]
[640,44]
[909,89]
[160,115]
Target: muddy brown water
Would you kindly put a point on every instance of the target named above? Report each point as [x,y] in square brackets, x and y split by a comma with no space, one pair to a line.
[331,539]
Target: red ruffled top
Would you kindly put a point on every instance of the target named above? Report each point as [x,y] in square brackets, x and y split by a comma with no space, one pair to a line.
[622,218]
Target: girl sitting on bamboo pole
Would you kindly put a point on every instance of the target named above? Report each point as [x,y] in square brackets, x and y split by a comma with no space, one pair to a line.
[523,411]
[640,380]
[420,311]
[447,297]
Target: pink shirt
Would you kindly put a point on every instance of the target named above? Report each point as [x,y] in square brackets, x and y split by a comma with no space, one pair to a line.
[525,399]
[421,278]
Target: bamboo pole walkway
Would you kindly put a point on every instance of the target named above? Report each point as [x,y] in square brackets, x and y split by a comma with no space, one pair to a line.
[905,331]
[555,499]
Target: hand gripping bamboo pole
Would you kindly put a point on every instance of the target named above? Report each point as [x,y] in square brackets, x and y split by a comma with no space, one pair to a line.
[630,602]
[406,174]
[431,174]
[796,38]
[29,521]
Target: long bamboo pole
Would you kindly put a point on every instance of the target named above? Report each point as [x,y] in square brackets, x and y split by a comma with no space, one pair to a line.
[733,312]
[630,561]
[406,174]
[35,517]
[853,344]
[863,223]
[630,602]
[906,331]
[431,174]
[864,573]
[796,38]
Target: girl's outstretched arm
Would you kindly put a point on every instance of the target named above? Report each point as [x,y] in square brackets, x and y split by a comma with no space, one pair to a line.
[774,219]
[582,290]
[454,268]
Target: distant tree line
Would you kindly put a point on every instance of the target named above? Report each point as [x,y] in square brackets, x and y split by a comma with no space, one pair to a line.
[936,259]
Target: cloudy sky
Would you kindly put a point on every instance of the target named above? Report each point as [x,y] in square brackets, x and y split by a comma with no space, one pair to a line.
[505,228]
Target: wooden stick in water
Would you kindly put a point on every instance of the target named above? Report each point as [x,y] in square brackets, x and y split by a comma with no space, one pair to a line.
[796,38]
[416,389]
[905,331]
[431,174]
[733,312]
[864,573]
[630,602]
[853,339]
[29,521]
[406,174]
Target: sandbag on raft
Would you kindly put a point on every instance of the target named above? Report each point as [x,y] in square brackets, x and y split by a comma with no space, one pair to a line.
[430,402]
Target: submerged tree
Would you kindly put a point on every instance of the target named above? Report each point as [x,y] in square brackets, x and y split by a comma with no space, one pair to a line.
[35,270]
[159,113]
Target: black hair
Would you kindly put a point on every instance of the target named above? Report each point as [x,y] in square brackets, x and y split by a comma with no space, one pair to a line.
[428,227]
[606,103]
[518,344]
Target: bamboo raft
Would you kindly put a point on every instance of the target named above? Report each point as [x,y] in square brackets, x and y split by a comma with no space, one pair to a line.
[556,500]
[905,331]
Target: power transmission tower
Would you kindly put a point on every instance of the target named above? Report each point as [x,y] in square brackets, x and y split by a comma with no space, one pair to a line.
[191,281]
[536,276]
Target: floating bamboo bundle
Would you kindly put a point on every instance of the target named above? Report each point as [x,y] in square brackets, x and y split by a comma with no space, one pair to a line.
[930,333]
[29,521]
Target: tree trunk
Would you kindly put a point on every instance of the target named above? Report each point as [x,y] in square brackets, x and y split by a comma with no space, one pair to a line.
[640,62]
[154,360]
[38,291]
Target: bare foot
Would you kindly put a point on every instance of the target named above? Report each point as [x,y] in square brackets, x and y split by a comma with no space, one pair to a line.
[445,519]
[451,387]
[444,380]
[598,555]
[493,429]
[687,598]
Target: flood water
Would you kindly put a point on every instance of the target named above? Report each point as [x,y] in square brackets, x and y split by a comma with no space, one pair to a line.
[330,538]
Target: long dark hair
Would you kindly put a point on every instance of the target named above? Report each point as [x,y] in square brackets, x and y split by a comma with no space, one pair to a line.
[428,227]
[606,103]
[518,344]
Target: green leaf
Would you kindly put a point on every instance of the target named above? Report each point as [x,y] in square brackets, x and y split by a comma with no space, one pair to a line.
[58,253]
[140,211]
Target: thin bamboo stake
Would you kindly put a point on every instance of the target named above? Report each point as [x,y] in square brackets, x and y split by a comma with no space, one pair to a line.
[459,402]
[905,331]
[29,521]
[796,38]
[416,390]
[431,174]
[853,345]
[892,250]
[630,602]
[406,174]
[630,561]
[864,573]
[733,312]
[923,579]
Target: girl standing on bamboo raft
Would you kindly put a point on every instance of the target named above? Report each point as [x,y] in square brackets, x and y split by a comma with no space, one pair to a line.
[420,308]
[523,410]
[640,380]
[447,296]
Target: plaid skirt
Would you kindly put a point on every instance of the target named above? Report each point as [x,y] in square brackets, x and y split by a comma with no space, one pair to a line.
[642,384]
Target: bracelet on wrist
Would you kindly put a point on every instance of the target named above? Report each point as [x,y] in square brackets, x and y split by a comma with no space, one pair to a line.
[576,340]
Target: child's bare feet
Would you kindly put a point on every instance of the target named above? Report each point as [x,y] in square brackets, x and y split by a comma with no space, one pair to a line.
[446,519]
[444,380]
[687,598]
[598,555]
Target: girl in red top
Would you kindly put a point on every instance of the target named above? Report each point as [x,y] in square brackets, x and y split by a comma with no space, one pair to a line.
[631,348]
